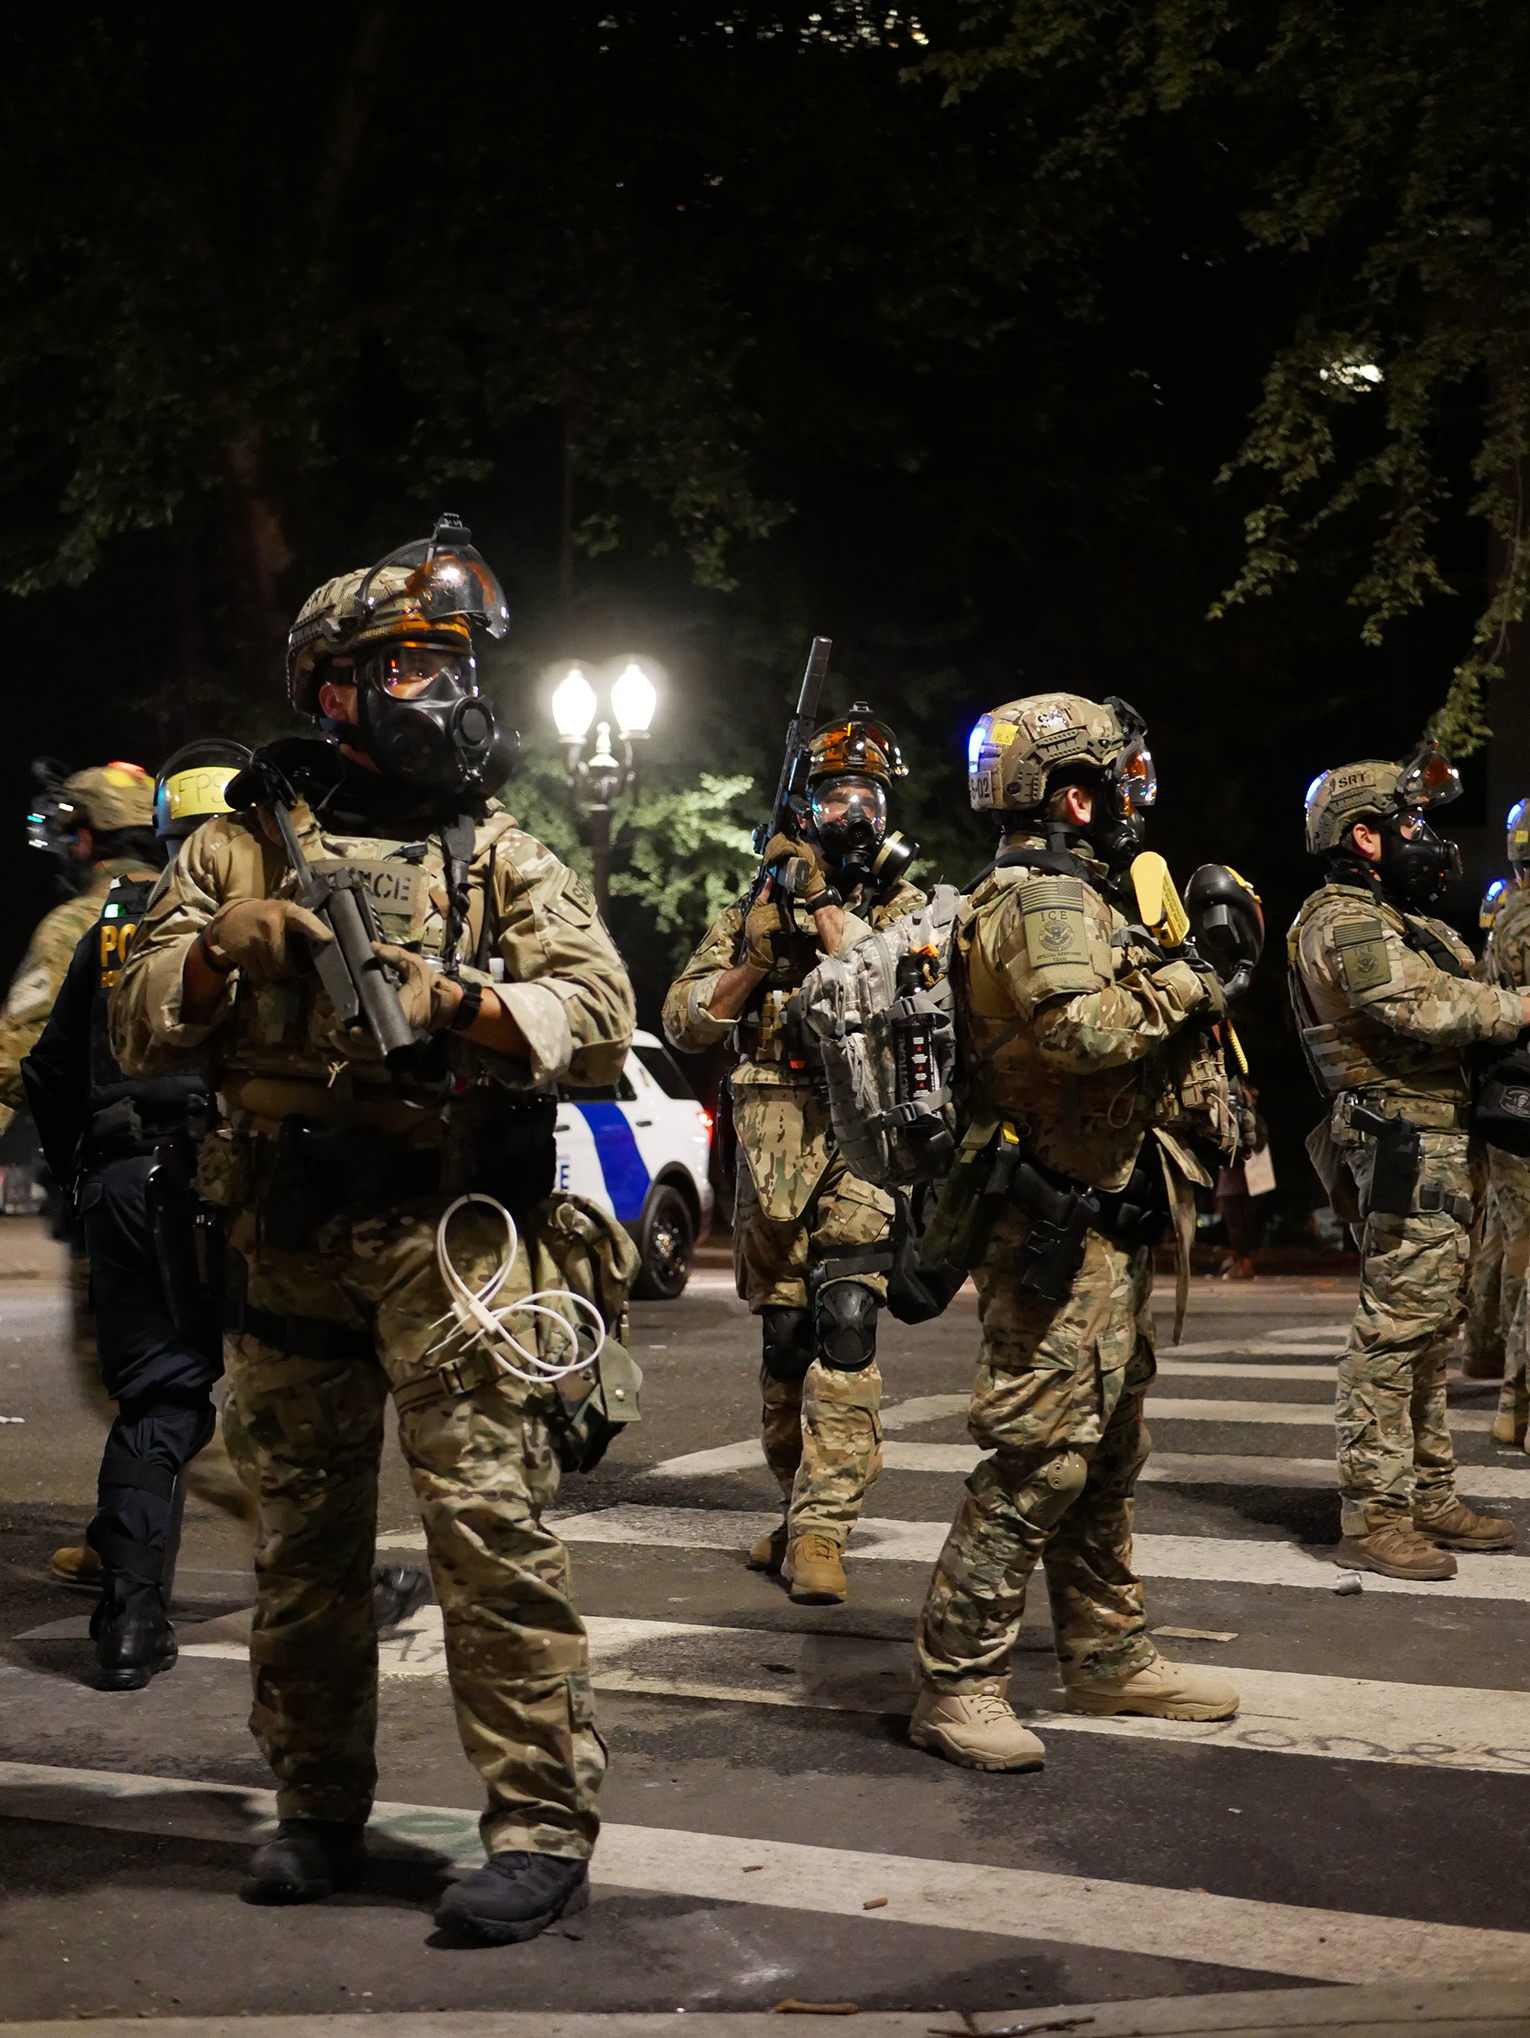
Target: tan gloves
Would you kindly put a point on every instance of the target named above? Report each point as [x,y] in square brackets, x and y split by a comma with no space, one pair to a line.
[800,865]
[254,936]
[764,923]
[429,998]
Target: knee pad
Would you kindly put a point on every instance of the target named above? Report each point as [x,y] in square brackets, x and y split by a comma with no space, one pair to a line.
[787,1342]
[845,1326]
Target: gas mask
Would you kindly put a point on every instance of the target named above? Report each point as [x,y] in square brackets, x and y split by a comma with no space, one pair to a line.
[425,724]
[848,818]
[1417,869]
[1119,825]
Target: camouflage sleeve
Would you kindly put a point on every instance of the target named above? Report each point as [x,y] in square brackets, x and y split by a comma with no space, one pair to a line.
[221,861]
[688,1022]
[1507,958]
[33,990]
[565,985]
[1366,966]
[906,899]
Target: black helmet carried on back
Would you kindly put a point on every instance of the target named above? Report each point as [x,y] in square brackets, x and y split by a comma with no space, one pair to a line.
[193,785]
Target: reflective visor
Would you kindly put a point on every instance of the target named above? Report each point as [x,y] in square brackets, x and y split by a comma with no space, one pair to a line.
[447,577]
[1138,780]
[1429,779]
[407,672]
[837,801]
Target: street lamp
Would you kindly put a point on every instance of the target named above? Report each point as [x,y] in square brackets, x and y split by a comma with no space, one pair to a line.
[598,779]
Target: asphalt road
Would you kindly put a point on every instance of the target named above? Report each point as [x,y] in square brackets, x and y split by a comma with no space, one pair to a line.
[770,1831]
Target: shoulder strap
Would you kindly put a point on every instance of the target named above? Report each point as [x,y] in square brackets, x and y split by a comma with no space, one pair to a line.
[1056,861]
[1424,941]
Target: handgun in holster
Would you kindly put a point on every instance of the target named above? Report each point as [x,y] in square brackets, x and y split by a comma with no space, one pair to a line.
[188,1244]
[1399,1158]
[1061,1212]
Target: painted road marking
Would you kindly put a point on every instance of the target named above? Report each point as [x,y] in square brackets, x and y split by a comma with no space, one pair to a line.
[1286,1713]
[1013,1903]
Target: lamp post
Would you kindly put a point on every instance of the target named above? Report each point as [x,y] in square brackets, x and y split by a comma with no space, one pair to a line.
[598,779]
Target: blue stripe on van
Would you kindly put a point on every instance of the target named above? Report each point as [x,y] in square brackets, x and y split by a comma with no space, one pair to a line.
[621,1164]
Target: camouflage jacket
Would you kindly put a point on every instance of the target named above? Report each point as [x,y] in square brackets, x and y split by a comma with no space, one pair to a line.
[1063,1024]
[688,1021]
[274,1049]
[1378,1014]
[1506,958]
[43,969]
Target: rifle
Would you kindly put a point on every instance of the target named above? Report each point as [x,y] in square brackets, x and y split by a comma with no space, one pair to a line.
[786,808]
[362,989]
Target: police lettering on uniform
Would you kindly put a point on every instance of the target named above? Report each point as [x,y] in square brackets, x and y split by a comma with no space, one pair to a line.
[1387,1008]
[339,1162]
[809,1238]
[1089,1073]
[101,1129]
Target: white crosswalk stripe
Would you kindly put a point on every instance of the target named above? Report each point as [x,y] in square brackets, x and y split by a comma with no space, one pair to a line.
[1016,1903]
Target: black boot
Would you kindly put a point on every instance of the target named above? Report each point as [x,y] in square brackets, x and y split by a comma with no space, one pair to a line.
[398,1590]
[514,1896]
[132,1633]
[306,1860]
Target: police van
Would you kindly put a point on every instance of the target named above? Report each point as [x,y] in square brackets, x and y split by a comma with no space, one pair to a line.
[640,1149]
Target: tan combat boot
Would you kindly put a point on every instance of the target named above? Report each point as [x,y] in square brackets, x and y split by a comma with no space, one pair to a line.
[1509,1422]
[1396,1550]
[767,1553]
[80,1567]
[1164,1691]
[1457,1527]
[977,1729]
[812,1568]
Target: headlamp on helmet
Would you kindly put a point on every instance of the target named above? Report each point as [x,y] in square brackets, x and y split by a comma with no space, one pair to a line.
[1488,911]
[859,744]
[53,818]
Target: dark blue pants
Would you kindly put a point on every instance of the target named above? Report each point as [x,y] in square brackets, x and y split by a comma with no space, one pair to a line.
[158,1378]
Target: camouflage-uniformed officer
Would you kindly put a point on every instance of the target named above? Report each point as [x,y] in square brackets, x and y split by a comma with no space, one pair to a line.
[99,824]
[1387,1004]
[1077,1043]
[1506,962]
[336,1170]
[809,1237]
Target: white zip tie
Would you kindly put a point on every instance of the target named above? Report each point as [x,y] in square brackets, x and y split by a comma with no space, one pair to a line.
[475,1322]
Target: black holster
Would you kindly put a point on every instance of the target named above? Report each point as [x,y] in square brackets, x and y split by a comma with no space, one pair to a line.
[1399,1157]
[1137,1215]
[1062,1211]
[188,1244]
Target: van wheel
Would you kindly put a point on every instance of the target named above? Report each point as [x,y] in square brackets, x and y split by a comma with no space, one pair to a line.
[665,1243]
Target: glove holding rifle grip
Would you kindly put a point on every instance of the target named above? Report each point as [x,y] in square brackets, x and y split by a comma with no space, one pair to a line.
[761,928]
[432,1001]
[800,868]
[254,936]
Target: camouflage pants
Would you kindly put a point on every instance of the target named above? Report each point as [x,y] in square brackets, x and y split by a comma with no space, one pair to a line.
[484,1468]
[1394,1447]
[822,1434]
[1058,1400]
[1510,1180]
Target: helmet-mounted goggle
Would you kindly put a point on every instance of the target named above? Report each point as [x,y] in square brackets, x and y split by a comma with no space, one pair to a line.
[1428,779]
[52,816]
[448,578]
[861,743]
[1133,776]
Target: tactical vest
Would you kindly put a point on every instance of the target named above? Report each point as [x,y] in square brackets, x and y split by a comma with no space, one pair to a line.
[128,1114]
[1090,1126]
[1357,1052]
[1509,942]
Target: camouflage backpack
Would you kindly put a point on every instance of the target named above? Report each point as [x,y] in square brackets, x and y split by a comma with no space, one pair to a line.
[883,1013]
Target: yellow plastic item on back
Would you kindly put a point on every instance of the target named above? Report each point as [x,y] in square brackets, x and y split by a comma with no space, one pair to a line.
[1158,903]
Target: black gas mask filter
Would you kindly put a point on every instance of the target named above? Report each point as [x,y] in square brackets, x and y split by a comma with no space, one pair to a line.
[1417,868]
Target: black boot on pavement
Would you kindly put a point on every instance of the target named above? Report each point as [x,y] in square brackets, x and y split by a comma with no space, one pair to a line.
[398,1590]
[514,1896]
[306,1859]
[132,1633]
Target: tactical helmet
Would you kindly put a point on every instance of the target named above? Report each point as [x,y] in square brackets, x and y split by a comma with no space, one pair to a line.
[1376,788]
[103,798]
[193,785]
[1015,751]
[1519,836]
[858,745]
[429,592]
[1487,912]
